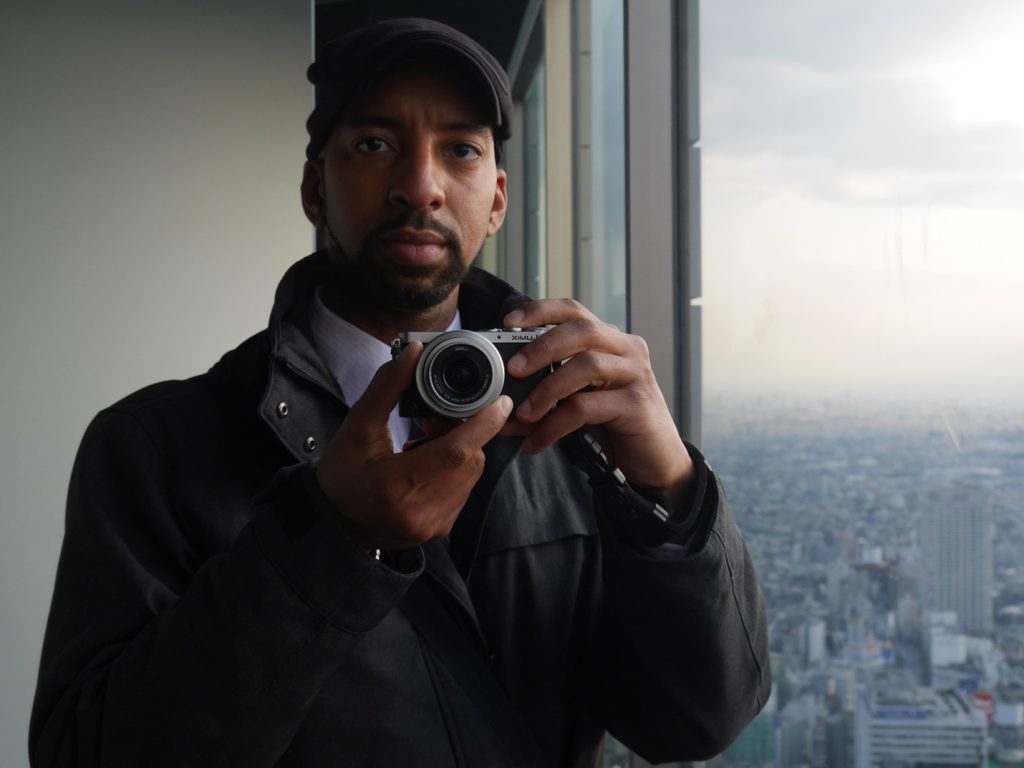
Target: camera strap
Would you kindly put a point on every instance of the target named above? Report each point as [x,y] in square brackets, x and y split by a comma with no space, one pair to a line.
[645,520]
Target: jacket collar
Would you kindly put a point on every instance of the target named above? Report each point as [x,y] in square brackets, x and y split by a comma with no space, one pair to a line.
[314,412]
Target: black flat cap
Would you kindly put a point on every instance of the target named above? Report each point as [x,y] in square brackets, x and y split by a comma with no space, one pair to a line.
[347,67]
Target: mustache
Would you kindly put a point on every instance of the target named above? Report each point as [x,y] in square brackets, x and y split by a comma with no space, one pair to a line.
[417,219]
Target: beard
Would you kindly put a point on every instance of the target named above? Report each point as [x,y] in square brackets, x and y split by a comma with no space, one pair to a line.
[405,288]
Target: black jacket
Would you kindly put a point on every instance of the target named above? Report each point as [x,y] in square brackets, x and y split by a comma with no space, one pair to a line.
[211,609]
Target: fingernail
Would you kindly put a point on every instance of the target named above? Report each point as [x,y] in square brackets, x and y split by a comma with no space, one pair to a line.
[525,409]
[505,405]
[515,317]
[517,363]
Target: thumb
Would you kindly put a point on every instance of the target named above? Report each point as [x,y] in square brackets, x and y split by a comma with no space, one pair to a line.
[369,414]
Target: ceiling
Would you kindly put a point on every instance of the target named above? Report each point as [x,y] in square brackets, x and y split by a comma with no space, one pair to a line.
[492,23]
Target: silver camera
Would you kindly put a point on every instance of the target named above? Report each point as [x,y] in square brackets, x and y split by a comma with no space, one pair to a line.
[462,372]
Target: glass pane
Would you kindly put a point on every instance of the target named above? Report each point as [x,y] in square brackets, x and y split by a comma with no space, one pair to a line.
[534,178]
[601,159]
[863,198]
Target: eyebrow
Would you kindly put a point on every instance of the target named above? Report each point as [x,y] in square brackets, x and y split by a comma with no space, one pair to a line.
[382,121]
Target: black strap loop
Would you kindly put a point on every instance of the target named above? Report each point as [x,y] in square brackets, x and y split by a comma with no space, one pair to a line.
[640,518]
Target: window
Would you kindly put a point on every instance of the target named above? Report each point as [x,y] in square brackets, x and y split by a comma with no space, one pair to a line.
[863,189]
[520,255]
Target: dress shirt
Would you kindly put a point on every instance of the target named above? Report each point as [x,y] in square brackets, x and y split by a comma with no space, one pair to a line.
[353,357]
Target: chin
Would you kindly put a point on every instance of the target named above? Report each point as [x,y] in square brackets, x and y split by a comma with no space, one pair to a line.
[413,300]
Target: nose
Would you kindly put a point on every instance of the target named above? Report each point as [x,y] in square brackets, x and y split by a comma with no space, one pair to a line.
[417,179]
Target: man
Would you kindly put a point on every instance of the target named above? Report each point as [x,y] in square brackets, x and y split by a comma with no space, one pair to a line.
[255,572]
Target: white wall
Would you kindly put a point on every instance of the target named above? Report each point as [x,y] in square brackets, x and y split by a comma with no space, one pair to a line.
[150,155]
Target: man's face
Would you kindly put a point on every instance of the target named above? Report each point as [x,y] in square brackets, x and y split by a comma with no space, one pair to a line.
[407,188]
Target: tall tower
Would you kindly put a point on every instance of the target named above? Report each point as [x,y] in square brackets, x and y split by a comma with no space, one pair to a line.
[955,537]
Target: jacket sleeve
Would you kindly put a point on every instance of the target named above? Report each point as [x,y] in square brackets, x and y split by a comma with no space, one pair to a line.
[157,653]
[684,644]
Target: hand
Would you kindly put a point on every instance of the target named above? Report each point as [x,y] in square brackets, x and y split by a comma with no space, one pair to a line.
[607,384]
[398,500]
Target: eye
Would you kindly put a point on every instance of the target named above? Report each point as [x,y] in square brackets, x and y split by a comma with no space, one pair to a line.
[372,145]
[466,151]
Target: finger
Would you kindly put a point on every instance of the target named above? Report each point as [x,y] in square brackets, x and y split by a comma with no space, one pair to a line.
[409,445]
[436,427]
[371,411]
[515,428]
[580,410]
[586,371]
[459,451]
[566,340]
[431,428]
[546,312]
[477,431]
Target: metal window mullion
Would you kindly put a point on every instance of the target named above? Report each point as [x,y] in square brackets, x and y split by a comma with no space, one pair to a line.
[663,199]
[582,218]
[689,312]
[651,228]
[558,61]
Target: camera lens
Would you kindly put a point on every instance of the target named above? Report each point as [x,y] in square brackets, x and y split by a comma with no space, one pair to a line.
[462,375]
[459,374]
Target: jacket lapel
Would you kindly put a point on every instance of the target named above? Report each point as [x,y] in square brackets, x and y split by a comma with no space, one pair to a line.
[440,568]
[470,526]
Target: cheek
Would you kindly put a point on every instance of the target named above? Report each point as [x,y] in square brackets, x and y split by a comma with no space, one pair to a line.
[479,209]
[345,212]
[352,196]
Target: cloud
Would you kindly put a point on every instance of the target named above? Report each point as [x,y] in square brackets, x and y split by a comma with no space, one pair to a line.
[863,178]
[827,101]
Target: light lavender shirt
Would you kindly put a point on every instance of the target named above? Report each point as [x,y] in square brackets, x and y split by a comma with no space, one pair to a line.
[353,357]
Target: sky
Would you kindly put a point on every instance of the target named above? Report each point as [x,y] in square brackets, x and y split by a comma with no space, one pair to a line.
[863,197]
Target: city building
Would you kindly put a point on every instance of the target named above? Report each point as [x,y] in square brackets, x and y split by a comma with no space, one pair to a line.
[956,557]
[901,727]
[757,746]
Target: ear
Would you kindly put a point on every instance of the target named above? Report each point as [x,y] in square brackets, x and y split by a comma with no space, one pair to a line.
[312,189]
[500,204]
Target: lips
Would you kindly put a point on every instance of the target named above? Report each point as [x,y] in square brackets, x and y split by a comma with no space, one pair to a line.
[415,247]
[414,236]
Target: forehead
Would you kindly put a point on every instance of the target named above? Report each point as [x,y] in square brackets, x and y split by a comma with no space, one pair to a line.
[425,84]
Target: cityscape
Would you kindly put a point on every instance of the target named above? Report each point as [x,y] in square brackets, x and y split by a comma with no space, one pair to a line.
[889,540]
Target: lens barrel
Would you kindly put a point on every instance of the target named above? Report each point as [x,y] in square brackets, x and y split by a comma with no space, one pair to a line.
[459,374]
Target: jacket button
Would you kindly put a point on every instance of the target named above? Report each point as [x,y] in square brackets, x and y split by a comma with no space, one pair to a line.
[282,409]
[310,444]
